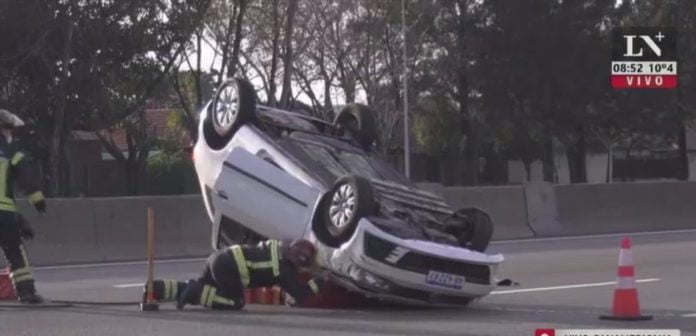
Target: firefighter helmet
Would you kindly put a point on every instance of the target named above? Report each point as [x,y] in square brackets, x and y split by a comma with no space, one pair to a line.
[9,119]
[302,253]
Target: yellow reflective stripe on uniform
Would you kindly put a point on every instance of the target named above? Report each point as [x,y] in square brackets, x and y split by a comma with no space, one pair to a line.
[221,300]
[204,295]
[167,289]
[24,256]
[241,264]
[8,207]
[274,258]
[211,294]
[313,285]
[36,197]
[22,278]
[174,289]
[6,203]
[260,264]
[24,273]
[20,271]
[16,158]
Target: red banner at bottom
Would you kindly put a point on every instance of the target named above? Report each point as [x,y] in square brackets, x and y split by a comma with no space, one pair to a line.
[607,332]
[644,81]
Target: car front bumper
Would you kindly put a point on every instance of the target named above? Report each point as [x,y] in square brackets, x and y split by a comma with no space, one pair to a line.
[399,272]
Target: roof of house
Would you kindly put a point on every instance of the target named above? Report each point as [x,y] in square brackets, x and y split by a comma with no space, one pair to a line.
[158,122]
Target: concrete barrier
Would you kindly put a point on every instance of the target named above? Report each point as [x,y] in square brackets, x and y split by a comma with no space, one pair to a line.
[114,229]
[66,235]
[181,228]
[624,207]
[195,225]
[121,228]
[542,210]
[435,188]
[506,205]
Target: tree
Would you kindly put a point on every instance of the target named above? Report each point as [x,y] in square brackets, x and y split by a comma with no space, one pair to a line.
[139,143]
[269,45]
[191,89]
[68,64]
[222,32]
[680,104]
[288,59]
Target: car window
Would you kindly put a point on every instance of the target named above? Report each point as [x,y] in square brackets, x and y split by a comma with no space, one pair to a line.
[390,172]
[357,164]
[323,156]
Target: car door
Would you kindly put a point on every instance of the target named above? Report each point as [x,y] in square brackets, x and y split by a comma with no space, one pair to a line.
[262,197]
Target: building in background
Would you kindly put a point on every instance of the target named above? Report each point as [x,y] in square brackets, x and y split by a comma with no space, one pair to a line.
[94,171]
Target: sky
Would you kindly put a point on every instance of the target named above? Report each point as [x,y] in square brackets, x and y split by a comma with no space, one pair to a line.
[209,59]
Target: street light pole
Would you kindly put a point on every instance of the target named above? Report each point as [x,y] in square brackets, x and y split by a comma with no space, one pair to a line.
[407,150]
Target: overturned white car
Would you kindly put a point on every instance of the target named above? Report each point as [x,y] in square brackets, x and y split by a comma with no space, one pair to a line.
[285,175]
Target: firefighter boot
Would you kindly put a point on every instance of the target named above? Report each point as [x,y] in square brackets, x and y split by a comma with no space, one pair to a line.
[190,295]
[166,290]
[31,298]
[26,293]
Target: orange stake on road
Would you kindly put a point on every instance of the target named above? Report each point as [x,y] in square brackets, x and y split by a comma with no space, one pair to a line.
[150,304]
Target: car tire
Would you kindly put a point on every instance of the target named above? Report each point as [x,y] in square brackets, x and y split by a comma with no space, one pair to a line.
[480,229]
[234,104]
[359,121]
[350,199]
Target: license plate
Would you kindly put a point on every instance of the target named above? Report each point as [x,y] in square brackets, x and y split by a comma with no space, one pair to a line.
[445,280]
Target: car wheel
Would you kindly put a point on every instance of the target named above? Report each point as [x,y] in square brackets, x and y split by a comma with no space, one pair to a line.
[234,104]
[480,229]
[358,121]
[351,198]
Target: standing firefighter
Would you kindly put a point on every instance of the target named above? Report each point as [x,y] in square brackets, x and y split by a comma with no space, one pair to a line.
[15,169]
[229,271]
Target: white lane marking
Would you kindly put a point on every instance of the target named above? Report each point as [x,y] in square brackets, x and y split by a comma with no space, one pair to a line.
[608,235]
[587,285]
[129,285]
[527,240]
[565,311]
[116,264]
[689,315]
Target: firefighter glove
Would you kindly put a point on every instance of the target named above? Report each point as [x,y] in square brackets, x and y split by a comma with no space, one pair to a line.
[40,206]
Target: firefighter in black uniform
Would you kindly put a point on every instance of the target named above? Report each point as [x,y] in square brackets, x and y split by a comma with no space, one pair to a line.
[229,271]
[15,168]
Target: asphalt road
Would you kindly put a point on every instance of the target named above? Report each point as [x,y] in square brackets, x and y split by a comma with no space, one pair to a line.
[565,283]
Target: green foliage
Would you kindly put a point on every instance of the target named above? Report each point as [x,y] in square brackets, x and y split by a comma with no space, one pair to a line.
[171,173]
[183,89]
[89,65]
[435,125]
[523,73]
[117,52]
[175,136]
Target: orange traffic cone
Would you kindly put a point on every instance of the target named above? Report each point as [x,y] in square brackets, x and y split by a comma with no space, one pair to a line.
[7,291]
[247,296]
[626,306]
[253,295]
[263,295]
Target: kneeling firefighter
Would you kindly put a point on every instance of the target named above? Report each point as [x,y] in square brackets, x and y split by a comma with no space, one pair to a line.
[229,271]
[15,169]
